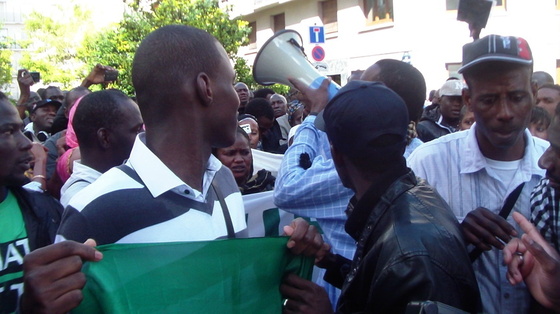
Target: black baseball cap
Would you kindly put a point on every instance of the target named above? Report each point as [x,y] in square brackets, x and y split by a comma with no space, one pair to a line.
[46,102]
[496,48]
[359,114]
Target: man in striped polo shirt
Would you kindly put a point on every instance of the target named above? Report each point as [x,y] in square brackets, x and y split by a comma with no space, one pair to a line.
[172,188]
[167,190]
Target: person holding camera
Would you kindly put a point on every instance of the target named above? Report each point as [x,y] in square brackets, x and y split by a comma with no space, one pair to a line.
[41,112]
[42,116]
[27,98]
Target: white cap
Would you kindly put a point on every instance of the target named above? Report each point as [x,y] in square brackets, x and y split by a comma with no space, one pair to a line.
[452,88]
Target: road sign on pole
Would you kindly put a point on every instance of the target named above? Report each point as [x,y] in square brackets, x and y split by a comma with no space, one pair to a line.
[318,53]
[316,34]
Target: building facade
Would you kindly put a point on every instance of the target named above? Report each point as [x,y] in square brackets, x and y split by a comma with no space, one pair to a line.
[425,33]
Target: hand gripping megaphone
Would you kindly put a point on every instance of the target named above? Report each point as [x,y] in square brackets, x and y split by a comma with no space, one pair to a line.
[281,57]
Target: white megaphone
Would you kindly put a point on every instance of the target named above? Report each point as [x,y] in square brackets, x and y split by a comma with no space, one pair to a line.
[281,57]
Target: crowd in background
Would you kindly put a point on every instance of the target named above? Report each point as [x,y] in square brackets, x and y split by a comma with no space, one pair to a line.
[449,164]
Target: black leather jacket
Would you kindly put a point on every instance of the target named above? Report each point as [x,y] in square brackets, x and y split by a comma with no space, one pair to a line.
[428,129]
[409,248]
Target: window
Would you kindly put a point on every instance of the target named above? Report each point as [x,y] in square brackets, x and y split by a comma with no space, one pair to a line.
[279,22]
[558,4]
[253,35]
[377,11]
[328,12]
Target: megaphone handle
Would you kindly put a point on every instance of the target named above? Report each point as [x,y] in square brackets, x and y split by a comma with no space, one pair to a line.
[297,45]
[333,87]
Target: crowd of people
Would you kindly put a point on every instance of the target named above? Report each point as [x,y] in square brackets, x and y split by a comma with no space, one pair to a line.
[453,203]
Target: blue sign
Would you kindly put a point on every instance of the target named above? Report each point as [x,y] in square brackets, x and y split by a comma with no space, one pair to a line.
[316,34]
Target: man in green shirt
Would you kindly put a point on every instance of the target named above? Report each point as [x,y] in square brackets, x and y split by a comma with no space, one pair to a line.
[28,220]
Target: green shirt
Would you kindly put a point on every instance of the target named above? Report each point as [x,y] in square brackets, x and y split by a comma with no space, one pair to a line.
[13,247]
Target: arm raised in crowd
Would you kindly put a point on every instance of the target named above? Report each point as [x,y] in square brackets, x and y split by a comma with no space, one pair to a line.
[533,260]
[97,75]
[39,164]
[25,81]
[303,189]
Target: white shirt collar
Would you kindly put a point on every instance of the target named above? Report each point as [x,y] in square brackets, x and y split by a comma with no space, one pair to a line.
[84,172]
[158,178]
[474,161]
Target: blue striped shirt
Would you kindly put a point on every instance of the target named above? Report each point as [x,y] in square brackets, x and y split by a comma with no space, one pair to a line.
[316,192]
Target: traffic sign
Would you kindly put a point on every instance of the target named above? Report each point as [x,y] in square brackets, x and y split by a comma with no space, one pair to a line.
[316,34]
[318,53]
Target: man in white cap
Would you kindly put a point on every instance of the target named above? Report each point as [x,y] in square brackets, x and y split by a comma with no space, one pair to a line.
[444,117]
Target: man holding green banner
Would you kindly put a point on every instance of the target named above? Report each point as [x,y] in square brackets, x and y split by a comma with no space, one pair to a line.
[172,189]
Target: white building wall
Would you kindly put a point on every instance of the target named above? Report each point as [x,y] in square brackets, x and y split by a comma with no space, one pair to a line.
[431,35]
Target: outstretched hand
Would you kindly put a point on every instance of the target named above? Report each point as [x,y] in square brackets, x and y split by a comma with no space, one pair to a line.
[97,75]
[532,259]
[52,276]
[24,80]
[305,239]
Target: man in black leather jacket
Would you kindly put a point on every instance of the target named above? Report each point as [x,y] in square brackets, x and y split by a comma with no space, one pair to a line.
[409,245]
[442,118]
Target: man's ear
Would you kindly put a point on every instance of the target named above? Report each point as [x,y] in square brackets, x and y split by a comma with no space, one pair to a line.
[466,95]
[535,90]
[32,117]
[204,88]
[103,138]
[341,165]
[337,157]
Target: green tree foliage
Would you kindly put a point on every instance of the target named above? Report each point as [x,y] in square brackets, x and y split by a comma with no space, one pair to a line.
[54,43]
[245,75]
[5,65]
[116,46]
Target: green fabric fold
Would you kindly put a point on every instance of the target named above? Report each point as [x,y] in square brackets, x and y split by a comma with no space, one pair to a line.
[221,276]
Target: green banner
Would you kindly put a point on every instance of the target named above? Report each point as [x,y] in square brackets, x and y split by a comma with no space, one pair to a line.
[221,276]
